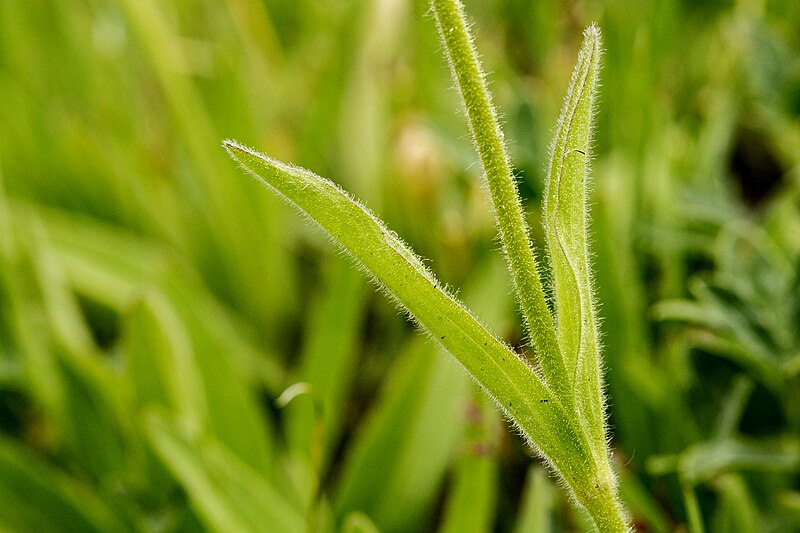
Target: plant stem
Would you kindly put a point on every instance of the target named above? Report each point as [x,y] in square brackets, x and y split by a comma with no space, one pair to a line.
[488,137]
[569,356]
[605,509]
[563,415]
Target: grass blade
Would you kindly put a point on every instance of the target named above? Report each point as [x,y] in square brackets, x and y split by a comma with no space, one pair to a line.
[228,494]
[394,468]
[536,514]
[38,497]
[472,502]
[329,360]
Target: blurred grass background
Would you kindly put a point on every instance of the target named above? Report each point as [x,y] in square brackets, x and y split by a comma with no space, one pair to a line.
[155,302]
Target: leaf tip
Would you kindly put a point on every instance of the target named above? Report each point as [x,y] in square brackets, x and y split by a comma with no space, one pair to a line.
[232,147]
[592,37]
[592,31]
[247,158]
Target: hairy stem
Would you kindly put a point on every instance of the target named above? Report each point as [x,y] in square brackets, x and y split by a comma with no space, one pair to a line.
[488,138]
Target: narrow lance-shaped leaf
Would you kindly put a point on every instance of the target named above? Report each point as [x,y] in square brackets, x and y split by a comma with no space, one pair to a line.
[566,229]
[512,384]
[566,221]
[488,137]
[228,495]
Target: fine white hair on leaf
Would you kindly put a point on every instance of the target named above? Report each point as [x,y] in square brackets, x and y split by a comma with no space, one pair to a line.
[389,236]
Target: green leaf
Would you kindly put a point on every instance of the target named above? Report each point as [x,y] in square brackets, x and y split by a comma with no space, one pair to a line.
[235,237]
[396,466]
[566,228]
[329,358]
[207,370]
[513,385]
[235,416]
[358,522]
[97,425]
[160,361]
[473,498]
[642,505]
[226,492]
[37,497]
[75,387]
[737,509]
[536,513]
[705,460]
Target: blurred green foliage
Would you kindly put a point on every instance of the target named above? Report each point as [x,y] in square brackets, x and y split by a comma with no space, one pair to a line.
[154,304]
